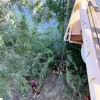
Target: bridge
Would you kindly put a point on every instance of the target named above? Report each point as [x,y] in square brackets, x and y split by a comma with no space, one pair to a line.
[84,29]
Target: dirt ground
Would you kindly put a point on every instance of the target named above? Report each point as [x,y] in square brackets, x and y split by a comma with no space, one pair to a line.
[51,90]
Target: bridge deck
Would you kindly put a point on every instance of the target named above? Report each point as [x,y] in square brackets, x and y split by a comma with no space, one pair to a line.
[94,19]
[90,29]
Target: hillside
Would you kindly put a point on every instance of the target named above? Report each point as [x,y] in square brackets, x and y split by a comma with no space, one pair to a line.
[31,42]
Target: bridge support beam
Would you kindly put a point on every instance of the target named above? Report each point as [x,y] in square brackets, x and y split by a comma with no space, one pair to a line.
[93,69]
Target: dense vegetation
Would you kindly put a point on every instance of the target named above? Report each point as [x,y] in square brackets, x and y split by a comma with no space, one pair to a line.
[29,50]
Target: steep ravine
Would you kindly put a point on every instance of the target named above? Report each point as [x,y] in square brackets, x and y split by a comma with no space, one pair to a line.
[51,90]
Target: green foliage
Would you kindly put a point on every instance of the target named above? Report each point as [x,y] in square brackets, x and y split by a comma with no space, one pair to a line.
[7,39]
[44,70]
[18,78]
[76,71]
[27,52]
